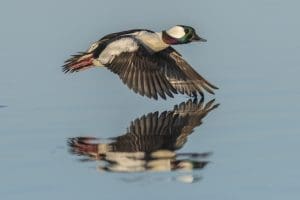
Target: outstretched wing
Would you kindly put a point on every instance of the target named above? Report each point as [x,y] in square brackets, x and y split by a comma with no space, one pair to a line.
[140,71]
[157,73]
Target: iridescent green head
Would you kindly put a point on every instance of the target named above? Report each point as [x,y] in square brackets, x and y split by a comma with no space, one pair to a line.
[180,34]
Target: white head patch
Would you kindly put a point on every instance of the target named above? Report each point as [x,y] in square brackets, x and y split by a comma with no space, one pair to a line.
[176,32]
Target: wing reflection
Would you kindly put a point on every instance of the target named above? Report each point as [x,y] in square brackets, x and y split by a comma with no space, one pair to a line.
[150,143]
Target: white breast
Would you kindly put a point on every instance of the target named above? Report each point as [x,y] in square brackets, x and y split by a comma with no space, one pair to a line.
[116,48]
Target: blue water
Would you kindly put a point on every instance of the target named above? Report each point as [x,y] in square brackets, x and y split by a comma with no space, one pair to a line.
[252,138]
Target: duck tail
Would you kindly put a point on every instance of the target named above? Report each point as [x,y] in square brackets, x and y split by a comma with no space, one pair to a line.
[78,62]
[83,146]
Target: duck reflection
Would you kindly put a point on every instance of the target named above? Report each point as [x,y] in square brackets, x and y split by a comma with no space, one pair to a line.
[150,143]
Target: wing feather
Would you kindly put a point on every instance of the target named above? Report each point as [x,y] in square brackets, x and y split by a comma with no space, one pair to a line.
[141,82]
[157,86]
[153,92]
[146,85]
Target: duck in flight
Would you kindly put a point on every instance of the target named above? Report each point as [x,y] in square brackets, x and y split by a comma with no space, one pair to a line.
[146,62]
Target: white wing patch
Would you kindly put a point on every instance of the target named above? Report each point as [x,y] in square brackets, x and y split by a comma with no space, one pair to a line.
[116,48]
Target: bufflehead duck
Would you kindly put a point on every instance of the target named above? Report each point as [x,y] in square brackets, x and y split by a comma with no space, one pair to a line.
[146,62]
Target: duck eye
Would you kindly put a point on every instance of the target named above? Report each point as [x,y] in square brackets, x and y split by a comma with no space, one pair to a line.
[186,30]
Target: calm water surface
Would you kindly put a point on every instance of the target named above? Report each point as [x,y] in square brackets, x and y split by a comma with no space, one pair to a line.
[71,136]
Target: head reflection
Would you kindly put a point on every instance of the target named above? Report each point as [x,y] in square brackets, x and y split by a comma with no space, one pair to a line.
[150,143]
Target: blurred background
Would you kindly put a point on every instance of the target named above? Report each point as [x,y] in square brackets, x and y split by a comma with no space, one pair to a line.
[252,55]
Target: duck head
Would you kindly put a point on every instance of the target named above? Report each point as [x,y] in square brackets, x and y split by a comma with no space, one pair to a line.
[181,34]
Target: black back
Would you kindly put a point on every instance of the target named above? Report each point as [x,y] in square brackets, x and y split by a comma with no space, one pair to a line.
[104,41]
[116,34]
